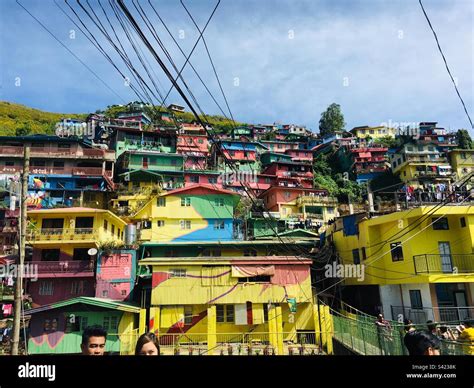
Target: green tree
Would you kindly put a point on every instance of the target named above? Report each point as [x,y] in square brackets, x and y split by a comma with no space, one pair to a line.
[332,120]
[464,139]
[23,130]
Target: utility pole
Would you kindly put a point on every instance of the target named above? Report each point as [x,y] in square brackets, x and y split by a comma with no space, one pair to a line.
[19,280]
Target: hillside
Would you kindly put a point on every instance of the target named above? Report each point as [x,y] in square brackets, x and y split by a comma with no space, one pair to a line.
[13,116]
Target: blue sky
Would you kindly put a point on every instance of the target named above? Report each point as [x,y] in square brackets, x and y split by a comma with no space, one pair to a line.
[278,61]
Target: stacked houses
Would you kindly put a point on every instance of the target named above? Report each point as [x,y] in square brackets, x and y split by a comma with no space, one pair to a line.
[161,227]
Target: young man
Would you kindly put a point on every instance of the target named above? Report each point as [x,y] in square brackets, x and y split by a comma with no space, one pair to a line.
[93,341]
[467,336]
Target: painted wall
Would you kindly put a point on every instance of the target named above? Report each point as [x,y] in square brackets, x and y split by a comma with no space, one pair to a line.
[62,289]
[116,275]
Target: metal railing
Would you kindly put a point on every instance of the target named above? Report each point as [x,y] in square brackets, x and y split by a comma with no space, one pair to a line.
[85,267]
[447,264]
[253,343]
[438,314]
[316,200]
[62,234]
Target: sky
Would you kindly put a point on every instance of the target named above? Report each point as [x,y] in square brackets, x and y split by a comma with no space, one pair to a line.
[277,61]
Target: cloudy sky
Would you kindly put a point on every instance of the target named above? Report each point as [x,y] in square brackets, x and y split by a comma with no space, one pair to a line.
[278,61]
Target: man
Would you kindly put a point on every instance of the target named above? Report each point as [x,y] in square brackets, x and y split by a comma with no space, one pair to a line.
[93,341]
[423,344]
[410,332]
[467,336]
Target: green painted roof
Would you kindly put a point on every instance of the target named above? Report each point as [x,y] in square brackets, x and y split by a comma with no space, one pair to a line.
[98,302]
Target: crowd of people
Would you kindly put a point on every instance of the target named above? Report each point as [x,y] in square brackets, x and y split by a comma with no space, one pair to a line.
[434,193]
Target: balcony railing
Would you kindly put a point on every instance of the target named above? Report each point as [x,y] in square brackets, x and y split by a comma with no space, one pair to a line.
[437,314]
[315,200]
[55,234]
[63,267]
[81,153]
[447,264]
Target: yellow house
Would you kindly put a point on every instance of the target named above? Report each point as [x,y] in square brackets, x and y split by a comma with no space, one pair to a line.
[65,244]
[405,265]
[462,162]
[220,304]
[419,164]
[373,132]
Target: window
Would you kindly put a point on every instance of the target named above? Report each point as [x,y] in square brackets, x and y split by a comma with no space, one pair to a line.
[364,254]
[420,148]
[58,164]
[219,225]
[185,201]
[265,312]
[106,225]
[250,252]
[161,202]
[81,254]
[415,299]
[463,155]
[75,324]
[463,222]
[113,323]
[330,210]
[9,163]
[188,315]
[355,256]
[212,180]
[220,313]
[255,279]
[113,229]
[160,223]
[410,149]
[229,313]
[200,141]
[225,313]
[287,194]
[77,287]
[194,179]
[211,252]
[185,224]
[219,202]
[396,251]
[46,287]
[177,273]
[50,254]
[440,223]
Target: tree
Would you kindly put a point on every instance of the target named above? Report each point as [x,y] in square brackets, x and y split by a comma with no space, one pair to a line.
[464,139]
[332,120]
[23,131]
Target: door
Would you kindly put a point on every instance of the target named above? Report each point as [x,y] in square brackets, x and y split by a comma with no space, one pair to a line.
[445,254]
[461,304]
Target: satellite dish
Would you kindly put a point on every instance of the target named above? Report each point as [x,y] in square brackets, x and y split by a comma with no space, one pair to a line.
[92,252]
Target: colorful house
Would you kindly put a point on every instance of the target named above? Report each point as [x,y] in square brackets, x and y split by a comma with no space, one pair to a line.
[300,207]
[216,300]
[408,274]
[419,164]
[462,162]
[65,245]
[373,132]
[243,154]
[194,213]
[363,163]
[63,170]
[57,328]
[195,149]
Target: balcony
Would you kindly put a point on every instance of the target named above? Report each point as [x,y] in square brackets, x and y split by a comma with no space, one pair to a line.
[75,171]
[444,264]
[53,152]
[64,268]
[438,314]
[59,234]
[316,200]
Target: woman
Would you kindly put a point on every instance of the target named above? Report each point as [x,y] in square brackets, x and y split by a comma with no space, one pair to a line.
[147,345]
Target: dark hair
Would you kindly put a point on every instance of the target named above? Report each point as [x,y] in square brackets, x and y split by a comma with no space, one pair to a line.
[431,325]
[469,323]
[443,329]
[144,339]
[421,341]
[408,324]
[93,331]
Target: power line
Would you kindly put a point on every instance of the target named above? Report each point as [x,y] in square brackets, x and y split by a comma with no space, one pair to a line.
[70,51]
[446,63]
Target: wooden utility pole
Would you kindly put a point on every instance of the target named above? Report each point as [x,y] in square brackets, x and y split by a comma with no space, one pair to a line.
[22,250]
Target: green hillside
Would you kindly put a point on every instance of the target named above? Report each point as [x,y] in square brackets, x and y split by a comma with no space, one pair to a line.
[13,116]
